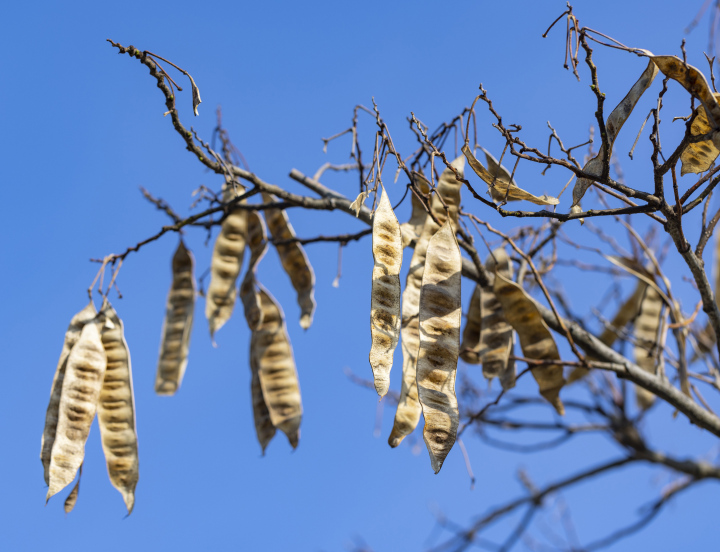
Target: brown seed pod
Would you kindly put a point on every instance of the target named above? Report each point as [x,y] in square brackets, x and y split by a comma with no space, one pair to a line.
[271,354]
[51,417]
[409,409]
[470,346]
[294,260]
[412,229]
[226,264]
[263,425]
[535,338]
[177,326]
[84,374]
[496,334]
[71,499]
[385,296]
[647,327]
[116,410]
[257,242]
[698,157]
[440,316]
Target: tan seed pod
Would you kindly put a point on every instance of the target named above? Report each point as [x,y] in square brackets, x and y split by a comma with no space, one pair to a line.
[647,327]
[408,411]
[83,381]
[226,264]
[264,428]
[257,242]
[536,340]
[71,499]
[698,157]
[385,296]
[116,410]
[470,346]
[177,326]
[500,185]
[440,317]
[614,123]
[496,334]
[294,260]
[412,229]
[271,353]
[51,417]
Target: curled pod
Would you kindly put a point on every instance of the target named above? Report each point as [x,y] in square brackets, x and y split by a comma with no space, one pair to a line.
[177,326]
[699,156]
[264,429]
[294,260]
[647,328]
[257,242]
[84,374]
[51,416]
[116,410]
[226,264]
[536,340]
[440,316]
[408,411]
[496,334]
[271,353]
[412,229]
[385,295]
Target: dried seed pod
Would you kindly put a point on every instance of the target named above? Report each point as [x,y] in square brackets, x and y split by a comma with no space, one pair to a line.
[409,409]
[81,387]
[116,410]
[614,123]
[51,417]
[496,334]
[698,157]
[412,229]
[647,327]
[500,185]
[71,499]
[440,316]
[263,425]
[385,296]
[271,353]
[470,346]
[294,261]
[535,338]
[226,264]
[177,326]
[257,242]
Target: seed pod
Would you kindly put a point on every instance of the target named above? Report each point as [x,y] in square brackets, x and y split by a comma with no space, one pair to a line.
[71,499]
[226,264]
[496,335]
[294,261]
[412,229]
[440,316]
[84,375]
[698,157]
[257,242]
[535,338]
[385,297]
[409,409]
[647,328]
[177,326]
[263,425]
[51,417]
[470,346]
[116,410]
[271,353]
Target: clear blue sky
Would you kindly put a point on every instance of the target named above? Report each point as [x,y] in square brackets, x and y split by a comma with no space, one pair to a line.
[82,129]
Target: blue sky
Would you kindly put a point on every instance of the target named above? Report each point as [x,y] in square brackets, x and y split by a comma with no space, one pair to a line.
[83,130]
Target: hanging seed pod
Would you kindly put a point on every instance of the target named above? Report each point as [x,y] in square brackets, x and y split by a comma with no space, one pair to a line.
[647,327]
[51,417]
[226,264]
[271,353]
[116,410]
[71,499]
[496,334]
[385,296]
[535,338]
[409,409]
[440,316]
[470,347]
[294,261]
[257,242]
[83,381]
[699,156]
[412,229]
[263,425]
[177,326]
